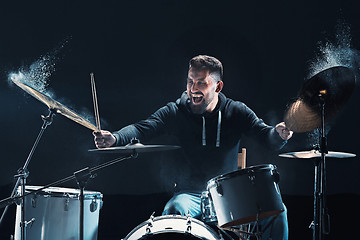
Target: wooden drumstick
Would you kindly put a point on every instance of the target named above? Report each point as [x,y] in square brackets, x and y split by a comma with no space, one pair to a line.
[242,159]
[96,107]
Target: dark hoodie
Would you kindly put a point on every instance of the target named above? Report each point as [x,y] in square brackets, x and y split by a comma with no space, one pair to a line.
[210,142]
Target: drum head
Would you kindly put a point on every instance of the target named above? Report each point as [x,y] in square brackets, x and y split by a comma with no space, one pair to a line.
[172,227]
[171,236]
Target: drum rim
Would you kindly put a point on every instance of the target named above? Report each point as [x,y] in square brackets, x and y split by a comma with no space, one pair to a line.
[65,192]
[239,172]
[171,216]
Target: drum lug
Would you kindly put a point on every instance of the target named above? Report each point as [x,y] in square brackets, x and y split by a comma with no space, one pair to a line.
[252,176]
[33,201]
[150,223]
[188,225]
[219,189]
[67,200]
[93,205]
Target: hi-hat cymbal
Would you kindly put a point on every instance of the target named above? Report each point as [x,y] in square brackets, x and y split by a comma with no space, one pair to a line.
[135,148]
[54,105]
[315,154]
[336,84]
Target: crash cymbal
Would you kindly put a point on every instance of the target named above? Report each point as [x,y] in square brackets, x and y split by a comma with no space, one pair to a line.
[315,154]
[54,105]
[304,113]
[135,148]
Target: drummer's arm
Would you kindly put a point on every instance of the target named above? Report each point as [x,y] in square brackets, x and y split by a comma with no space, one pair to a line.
[144,130]
[269,135]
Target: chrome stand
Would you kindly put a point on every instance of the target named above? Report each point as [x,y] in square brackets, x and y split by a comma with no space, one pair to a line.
[23,173]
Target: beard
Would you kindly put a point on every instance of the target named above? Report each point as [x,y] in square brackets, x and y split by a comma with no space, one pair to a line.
[200,108]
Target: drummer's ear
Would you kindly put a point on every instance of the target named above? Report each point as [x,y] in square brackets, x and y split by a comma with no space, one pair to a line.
[219,86]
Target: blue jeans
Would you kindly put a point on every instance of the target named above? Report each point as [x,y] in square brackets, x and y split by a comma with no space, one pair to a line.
[188,203]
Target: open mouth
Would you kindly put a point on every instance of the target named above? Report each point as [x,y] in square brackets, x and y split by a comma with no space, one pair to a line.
[196,99]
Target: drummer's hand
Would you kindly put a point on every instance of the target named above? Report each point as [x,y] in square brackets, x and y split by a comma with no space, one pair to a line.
[104,139]
[283,131]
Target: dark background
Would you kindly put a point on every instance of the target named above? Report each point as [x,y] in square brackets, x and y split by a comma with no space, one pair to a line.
[139,52]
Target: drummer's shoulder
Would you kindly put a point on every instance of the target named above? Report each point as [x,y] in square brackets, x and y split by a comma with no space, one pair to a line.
[170,108]
[235,105]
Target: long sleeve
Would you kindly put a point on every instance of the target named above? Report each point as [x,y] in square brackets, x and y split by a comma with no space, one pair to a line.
[144,130]
[263,132]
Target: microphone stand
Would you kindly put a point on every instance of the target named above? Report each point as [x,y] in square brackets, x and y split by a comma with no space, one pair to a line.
[23,173]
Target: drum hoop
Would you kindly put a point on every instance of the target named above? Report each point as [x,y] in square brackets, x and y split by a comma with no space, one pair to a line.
[255,168]
[163,217]
[65,193]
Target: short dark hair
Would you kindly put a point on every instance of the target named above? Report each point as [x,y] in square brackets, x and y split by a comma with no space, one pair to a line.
[208,63]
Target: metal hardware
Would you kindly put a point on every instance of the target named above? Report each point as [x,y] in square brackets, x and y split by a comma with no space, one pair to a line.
[219,188]
[67,200]
[93,205]
[252,176]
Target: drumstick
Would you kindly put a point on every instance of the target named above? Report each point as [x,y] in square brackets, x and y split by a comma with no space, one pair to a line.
[242,159]
[96,107]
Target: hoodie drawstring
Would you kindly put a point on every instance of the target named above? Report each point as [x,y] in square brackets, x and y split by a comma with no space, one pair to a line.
[217,131]
[203,133]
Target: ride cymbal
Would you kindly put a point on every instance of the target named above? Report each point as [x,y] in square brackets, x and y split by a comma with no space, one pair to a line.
[54,105]
[135,148]
[335,85]
[315,154]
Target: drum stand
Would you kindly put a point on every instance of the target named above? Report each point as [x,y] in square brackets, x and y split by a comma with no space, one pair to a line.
[251,231]
[23,173]
[82,176]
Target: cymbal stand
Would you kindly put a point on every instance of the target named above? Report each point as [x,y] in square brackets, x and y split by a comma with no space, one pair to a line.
[251,230]
[23,173]
[82,176]
[319,225]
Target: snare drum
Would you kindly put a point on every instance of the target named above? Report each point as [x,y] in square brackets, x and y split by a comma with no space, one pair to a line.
[56,212]
[174,227]
[246,195]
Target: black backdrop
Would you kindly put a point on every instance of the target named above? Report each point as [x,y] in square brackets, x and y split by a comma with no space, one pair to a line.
[139,51]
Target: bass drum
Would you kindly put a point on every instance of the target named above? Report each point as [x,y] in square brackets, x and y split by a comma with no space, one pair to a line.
[174,227]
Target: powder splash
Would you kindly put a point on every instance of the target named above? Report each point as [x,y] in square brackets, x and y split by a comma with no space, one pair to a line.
[339,53]
[331,54]
[38,73]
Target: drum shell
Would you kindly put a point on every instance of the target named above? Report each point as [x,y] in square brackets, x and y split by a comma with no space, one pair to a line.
[239,196]
[172,227]
[57,214]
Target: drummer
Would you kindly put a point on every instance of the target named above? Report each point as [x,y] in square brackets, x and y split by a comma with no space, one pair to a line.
[208,127]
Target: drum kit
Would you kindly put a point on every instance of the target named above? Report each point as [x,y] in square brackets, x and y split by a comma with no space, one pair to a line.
[234,202]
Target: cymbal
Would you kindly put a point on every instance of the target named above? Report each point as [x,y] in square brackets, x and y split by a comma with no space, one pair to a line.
[54,105]
[135,148]
[304,113]
[315,154]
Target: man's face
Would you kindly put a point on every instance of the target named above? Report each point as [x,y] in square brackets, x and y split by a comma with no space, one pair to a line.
[202,91]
